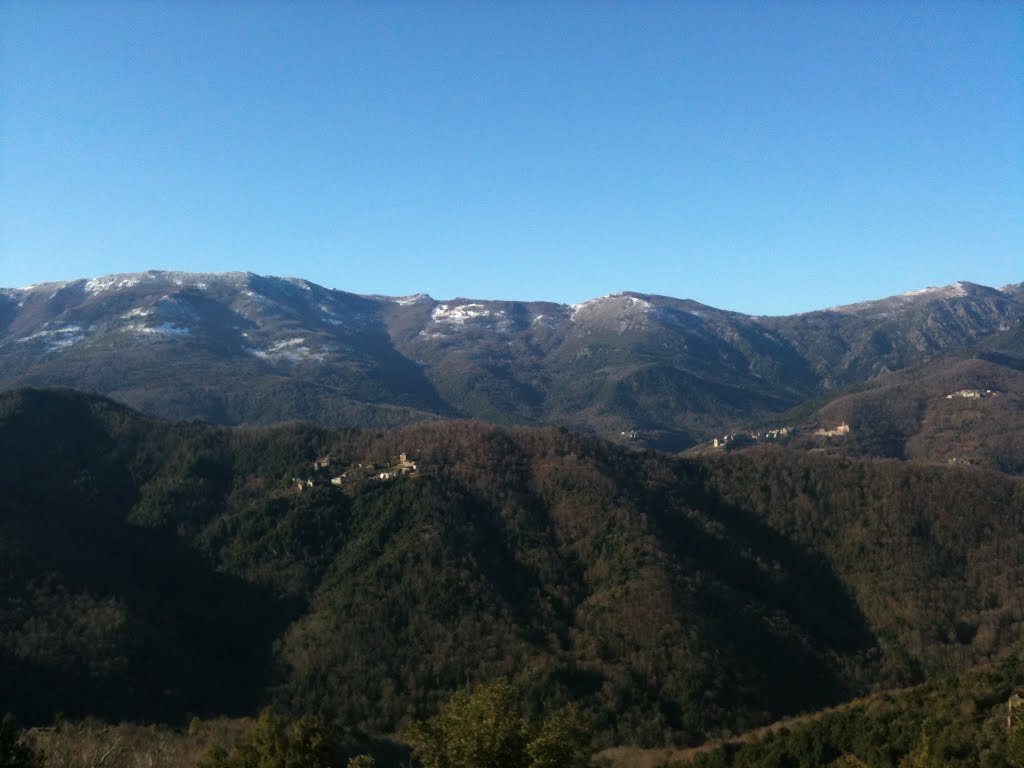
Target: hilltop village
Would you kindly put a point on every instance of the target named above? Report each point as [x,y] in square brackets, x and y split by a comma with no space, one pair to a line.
[325,472]
[737,440]
[971,394]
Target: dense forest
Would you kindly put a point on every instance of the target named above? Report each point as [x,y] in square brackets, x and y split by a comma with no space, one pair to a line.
[152,571]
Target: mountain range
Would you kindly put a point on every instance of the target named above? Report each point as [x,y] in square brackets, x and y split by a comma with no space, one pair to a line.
[469,497]
[236,348]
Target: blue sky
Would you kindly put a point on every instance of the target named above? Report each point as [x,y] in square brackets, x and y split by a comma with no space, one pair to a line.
[763,157]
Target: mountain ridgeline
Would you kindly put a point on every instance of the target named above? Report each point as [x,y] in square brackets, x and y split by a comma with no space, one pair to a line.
[154,569]
[239,348]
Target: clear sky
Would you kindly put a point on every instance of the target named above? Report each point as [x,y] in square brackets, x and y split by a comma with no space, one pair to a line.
[764,157]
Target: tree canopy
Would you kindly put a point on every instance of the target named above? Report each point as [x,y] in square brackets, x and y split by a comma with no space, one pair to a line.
[484,729]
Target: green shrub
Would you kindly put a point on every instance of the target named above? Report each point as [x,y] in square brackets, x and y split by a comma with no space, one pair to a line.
[276,742]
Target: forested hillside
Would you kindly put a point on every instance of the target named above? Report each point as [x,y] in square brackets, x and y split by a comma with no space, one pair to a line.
[967,412]
[954,722]
[932,555]
[155,569]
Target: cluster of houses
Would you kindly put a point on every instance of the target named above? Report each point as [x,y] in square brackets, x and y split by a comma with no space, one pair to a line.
[753,437]
[771,435]
[403,465]
[841,430]
[325,467]
[971,394]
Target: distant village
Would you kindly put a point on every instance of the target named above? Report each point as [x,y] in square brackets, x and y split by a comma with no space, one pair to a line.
[772,435]
[325,467]
[842,429]
[971,394]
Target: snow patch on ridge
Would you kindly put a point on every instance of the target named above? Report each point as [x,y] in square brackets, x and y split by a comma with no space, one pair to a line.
[458,315]
[948,291]
[886,307]
[624,301]
[446,318]
[181,282]
[101,284]
[329,316]
[416,298]
[56,338]
[292,350]
[166,330]
[574,308]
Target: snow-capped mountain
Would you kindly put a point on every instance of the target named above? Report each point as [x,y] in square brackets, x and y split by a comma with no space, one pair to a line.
[239,347]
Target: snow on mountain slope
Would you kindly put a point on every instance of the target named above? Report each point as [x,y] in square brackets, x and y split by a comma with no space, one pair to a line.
[239,346]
